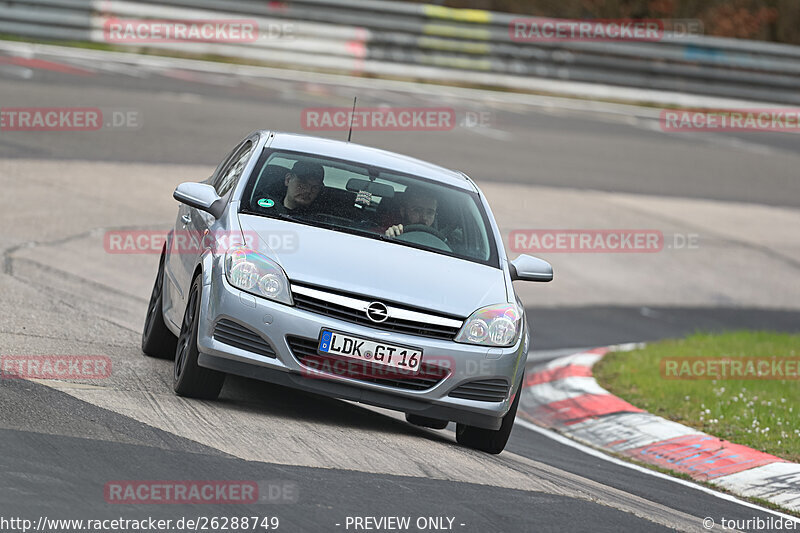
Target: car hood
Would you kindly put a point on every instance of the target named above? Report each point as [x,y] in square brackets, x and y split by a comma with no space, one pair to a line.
[376,269]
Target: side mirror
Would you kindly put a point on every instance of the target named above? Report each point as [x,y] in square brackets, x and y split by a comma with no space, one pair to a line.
[529,268]
[200,196]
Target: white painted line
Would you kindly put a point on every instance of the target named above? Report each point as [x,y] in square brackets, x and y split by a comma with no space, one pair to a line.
[488,132]
[624,431]
[627,346]
[108,66]
[601,455]
[548,355]
[562,389]
[64,385]
[578,359]
[535,357]
[15,70]
[632,429]
[777,482]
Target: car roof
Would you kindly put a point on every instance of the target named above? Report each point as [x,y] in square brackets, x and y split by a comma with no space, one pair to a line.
[368,155]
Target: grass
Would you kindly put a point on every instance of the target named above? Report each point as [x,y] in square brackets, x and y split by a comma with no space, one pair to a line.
[761,413]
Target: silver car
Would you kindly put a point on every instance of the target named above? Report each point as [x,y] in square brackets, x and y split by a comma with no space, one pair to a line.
[346,271]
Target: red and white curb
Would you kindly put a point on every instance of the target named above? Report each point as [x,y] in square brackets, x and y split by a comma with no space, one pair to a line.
[562,395]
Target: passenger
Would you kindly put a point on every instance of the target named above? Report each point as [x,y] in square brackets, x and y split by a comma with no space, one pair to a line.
[303,187]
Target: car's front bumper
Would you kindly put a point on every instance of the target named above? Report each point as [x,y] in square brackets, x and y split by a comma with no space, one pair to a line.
[275,322]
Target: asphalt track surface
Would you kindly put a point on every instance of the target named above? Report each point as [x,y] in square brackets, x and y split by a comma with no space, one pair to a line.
[60,444]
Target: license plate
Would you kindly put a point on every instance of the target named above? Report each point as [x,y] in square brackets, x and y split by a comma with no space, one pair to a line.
[390,355]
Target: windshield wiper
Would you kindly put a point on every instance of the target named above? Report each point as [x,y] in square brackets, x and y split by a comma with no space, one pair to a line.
[285,216]
[292,217]
[309,219]
[348,229]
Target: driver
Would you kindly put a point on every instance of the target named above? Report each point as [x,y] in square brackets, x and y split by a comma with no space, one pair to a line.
[416,207]
[303,186]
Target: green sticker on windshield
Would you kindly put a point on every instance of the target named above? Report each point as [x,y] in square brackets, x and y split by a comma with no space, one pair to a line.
[266,202]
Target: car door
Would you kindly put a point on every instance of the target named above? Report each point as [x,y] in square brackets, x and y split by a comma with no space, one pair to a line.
[191,227]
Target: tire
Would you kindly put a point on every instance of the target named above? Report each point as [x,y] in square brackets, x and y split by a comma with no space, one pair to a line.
[188,378]
[426,422]
[157,340]
[489,440]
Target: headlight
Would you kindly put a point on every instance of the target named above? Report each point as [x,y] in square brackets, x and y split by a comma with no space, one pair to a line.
[495,325]
[252,272]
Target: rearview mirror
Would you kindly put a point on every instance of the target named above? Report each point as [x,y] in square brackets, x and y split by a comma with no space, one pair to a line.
[529,268]
[384,190]
[200,196]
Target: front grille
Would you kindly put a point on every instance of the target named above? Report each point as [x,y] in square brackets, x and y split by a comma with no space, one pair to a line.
[239,336]
[322,307]
[485,390]
[305,351]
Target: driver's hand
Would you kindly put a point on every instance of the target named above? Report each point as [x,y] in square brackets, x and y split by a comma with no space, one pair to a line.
[395,230]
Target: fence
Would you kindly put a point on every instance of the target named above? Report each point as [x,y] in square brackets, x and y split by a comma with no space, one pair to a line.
[430,43]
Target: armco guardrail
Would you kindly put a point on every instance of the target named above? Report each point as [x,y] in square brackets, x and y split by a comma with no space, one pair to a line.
[431,43]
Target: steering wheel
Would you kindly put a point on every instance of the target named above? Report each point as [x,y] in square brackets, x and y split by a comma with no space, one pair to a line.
[422,228]
[410,228]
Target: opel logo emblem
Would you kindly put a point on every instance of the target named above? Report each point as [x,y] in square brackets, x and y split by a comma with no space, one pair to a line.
[377,312]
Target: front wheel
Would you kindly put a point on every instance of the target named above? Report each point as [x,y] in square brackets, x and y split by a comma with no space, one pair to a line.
[489,440]
[190,379]
[157,340]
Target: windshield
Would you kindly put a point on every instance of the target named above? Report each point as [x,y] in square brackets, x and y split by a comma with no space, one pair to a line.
[371,202]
